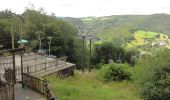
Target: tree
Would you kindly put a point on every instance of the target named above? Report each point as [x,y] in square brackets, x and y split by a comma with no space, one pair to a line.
[152,75]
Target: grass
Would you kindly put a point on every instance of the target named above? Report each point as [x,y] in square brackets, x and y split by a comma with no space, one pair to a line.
[86,87]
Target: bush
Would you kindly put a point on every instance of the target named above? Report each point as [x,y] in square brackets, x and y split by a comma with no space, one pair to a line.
[114,72]
[152,75]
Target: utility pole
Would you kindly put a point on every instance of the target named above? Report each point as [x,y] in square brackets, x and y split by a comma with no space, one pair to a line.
[83,54]
[49,44]
[90,56]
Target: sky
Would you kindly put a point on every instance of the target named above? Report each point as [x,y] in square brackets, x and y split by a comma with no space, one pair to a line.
[85,8]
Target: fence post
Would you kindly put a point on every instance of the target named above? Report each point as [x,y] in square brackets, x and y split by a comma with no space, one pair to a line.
[45,63]
[0,80]
[22,69]
[14,66]
[13,94]
[35,64]
[65,60]
[27,69]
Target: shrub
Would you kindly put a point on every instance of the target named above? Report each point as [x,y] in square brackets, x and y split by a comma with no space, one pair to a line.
[114,72]
[152,75]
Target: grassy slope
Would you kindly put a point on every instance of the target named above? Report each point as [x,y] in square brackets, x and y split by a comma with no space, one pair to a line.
[87,87]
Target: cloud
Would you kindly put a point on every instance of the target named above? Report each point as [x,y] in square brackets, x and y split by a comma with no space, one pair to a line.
[66,4]
[82,8]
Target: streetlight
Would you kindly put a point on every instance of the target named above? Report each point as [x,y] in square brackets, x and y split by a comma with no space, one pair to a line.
[12,33]
[20,28]
[49,44]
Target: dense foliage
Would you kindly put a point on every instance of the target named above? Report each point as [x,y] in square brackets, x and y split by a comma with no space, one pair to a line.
[37,24]
[7,22]
[152,75]
[114,72]
[107,50]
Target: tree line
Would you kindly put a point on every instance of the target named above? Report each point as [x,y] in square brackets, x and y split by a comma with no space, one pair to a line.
[35,24]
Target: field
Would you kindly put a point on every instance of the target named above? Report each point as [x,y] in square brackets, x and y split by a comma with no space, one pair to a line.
[86,87]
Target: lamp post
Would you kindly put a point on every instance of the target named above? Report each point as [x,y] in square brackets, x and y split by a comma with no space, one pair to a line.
[12,37]
[20,29]
[12,33]
[39,43]
[49,45]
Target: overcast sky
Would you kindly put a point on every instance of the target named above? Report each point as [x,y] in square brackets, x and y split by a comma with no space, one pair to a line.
[84,8]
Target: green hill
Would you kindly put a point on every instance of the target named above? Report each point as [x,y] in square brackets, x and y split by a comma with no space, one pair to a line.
[124,24]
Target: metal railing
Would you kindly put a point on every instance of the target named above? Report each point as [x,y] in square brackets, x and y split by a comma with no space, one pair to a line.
[7,92]
[34,83]
[35,66]
[39,85]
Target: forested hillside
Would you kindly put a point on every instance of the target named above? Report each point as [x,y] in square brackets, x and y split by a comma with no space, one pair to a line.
[155,22]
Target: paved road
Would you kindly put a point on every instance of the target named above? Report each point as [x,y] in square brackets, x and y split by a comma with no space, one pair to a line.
[27,94]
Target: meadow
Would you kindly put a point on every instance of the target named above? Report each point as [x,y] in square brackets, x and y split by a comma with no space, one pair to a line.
[86,86]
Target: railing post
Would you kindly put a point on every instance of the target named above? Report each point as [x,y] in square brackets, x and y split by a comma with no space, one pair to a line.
[65,60]
[45,66]
[13,94]
[13,53]
[27,69]
[22,69]
[35,64]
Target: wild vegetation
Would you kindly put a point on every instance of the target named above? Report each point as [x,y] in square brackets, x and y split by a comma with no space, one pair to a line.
[152,75]
[130,53]
[114,72]
[142,42]
[87,87]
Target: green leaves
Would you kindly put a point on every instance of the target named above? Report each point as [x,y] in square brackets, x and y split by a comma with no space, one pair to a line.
[152,74]
[114,72]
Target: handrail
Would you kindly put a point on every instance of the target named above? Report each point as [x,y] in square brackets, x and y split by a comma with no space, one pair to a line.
[33,83]
[39,85]
[7,92]
[42,66]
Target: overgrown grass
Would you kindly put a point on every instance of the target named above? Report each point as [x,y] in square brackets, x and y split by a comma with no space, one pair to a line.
[86,87]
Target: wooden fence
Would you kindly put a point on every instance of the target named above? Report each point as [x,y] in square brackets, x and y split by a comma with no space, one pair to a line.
[7,92]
